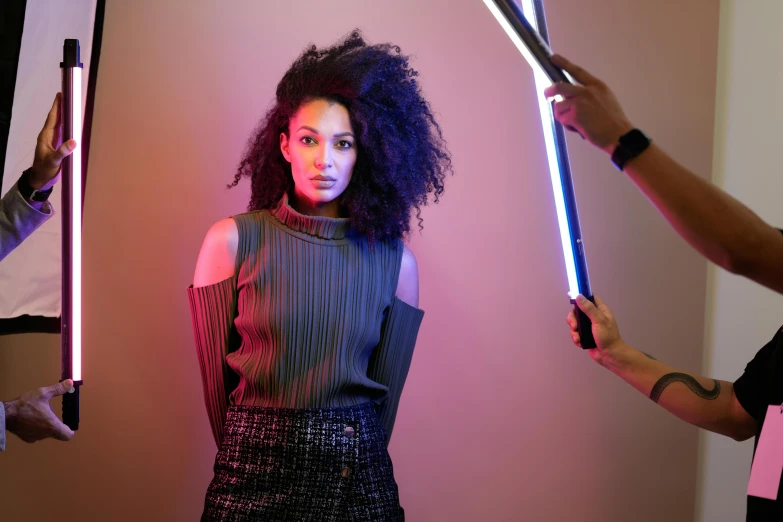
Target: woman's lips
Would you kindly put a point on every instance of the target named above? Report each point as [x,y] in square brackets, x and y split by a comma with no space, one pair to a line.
[323,182]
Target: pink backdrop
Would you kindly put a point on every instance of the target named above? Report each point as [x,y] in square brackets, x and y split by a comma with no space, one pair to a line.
[502,418]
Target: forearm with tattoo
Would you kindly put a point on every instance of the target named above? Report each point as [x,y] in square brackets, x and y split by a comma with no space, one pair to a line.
[687,380]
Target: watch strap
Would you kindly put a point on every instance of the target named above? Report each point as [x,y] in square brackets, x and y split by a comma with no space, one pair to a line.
[629,146]
[28,192]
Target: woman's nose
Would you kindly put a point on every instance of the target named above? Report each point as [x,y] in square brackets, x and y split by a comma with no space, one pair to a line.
[323,159]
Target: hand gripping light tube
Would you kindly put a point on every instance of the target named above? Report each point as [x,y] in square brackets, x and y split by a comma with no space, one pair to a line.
[526,26]
[71,326]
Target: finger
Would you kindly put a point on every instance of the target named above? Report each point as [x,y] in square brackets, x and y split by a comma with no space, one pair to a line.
[60,431]
[571,320]
[579,74]
[564,107]
[588,308]
[566,116]
[59,123]
[53,118]
[61,388]
[57,132]
[566,90]
[599,303]
[576,339]
[574,129]
[65,150]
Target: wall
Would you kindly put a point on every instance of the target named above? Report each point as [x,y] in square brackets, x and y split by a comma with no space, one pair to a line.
[741,315]
[502,417]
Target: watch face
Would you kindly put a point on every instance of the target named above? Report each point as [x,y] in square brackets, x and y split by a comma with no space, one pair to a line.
[635,141]
[629,146]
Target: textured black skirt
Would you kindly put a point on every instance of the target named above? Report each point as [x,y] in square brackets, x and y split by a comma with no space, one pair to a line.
[280,464]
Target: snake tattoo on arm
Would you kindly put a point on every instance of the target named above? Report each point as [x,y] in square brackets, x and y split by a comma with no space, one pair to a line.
[687,380]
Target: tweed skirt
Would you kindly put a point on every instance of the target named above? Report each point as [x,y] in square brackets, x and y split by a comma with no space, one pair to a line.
[280,464]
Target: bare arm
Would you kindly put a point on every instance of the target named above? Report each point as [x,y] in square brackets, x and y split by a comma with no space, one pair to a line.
[217,258]
[707,403]
[408,282]
[721,228]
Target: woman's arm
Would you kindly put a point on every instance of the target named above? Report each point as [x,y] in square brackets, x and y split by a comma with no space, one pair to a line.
[391,359]
[408,282]
[213,305]
[217,258]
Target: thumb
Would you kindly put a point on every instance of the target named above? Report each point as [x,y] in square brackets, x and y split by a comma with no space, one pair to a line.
[61,431]
[66,148]
[61,388]
[602,307]
[588,308]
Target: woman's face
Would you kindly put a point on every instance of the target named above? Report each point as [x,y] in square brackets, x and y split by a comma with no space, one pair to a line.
[321,148]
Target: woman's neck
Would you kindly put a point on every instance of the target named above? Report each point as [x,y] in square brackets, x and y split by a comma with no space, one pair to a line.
[307,207]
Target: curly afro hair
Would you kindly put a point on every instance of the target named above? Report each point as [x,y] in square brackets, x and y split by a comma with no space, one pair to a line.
[401,154]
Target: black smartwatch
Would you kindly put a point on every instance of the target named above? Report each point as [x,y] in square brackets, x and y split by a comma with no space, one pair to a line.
[28,192]
[628,147]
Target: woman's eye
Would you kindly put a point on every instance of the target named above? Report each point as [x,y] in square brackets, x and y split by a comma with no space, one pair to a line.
[344,144]
[307,140]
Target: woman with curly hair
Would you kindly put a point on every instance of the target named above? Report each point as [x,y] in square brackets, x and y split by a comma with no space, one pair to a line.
[305,308]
